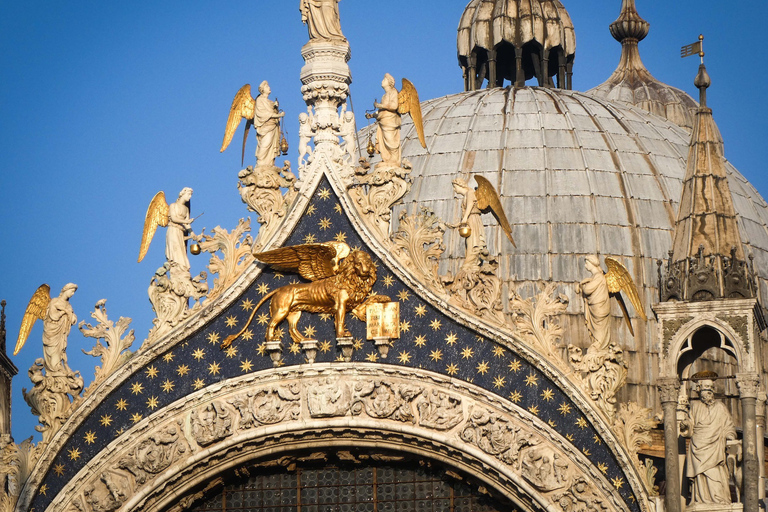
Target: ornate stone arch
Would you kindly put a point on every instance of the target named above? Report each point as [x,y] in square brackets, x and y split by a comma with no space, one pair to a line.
[181,447]
[682,342]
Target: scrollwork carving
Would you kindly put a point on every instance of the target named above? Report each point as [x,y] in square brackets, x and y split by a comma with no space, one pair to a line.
[376,192]
[418,244]
[115,352]
[260,189]
[267,406]
[16,463]
[603,372]
[236,251]
[632,426]
[536,321]
[49,398]
[170,296]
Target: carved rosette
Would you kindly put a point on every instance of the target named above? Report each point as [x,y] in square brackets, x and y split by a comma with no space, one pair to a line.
[232,423]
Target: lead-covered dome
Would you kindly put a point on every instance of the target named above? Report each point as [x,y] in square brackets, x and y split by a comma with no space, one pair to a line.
[516,40]
[577,175]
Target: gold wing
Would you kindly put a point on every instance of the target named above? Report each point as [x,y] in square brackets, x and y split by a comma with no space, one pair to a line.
[36,308]
[408,103]
[157,215]
[311,261]
[487,197]
[619,279]
[243,107]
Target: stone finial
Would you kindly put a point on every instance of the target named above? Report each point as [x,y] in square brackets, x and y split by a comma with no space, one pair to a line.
[629,25]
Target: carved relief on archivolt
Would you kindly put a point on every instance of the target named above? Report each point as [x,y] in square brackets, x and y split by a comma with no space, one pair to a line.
[387,406]
[268,406]
[156,453]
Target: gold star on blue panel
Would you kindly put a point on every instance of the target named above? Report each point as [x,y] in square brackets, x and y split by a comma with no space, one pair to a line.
[429,339]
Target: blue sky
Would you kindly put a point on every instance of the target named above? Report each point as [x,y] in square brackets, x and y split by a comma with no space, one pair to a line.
[105,103]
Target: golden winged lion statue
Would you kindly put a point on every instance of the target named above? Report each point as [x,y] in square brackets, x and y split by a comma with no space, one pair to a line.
[341,281]
[597,291]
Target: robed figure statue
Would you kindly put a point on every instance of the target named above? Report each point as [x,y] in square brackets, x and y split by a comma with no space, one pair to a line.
[322,19]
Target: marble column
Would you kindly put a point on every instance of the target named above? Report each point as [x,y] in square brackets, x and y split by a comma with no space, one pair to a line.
[761,399]
[749,384]
[669,391]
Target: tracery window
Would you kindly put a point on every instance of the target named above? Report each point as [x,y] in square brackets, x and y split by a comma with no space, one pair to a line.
[404,487]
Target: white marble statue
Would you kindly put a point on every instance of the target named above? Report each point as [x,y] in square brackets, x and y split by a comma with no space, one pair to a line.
[388,122]
[322,19]
[348,134]
[179,227]
[266,120]
[597,304]
[709,426]
[307,130]
[59,319]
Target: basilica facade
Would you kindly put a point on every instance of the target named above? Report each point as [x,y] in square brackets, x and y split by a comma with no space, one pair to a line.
[518,297]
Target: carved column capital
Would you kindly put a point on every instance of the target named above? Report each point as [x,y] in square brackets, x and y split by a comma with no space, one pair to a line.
[749,384]
[669,389]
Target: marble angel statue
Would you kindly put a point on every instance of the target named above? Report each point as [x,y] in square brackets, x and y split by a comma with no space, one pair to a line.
[388,117]
[597,291]
[261,113]
[174,217]
[484,198]
[322,19]
[58,318]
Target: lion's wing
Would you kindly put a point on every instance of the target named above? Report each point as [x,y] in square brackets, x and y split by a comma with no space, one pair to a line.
[311,261]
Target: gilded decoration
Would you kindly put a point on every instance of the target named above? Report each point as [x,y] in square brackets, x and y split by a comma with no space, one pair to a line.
[429,338]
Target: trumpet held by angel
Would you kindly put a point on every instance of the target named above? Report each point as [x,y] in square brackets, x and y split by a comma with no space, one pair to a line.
[261,113]
[395,104]
[58,318]
[175,218]
[340,282]
[598,290]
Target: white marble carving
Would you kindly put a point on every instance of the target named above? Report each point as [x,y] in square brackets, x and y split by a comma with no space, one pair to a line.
[115,350]
[476,286]
[322,19]
[710,427]
[235,248]
[210,423]
[418,244]
[170,296]
[261,188]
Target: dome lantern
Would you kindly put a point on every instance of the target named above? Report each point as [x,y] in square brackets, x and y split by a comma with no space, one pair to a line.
[516,40]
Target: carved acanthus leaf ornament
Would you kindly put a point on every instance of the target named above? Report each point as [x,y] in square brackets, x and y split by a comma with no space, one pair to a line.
[418,244]
[235,248]
[115,352]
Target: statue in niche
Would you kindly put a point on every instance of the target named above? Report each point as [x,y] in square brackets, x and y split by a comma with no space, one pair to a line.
[322,20]
[710,427]
[54,381]
[261,113]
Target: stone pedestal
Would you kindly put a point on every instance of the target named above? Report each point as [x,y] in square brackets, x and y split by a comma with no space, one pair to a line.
[346,346]
[309,347]
[383,345]
[275,350]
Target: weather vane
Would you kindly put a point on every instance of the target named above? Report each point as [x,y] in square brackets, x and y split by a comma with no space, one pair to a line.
[696,48]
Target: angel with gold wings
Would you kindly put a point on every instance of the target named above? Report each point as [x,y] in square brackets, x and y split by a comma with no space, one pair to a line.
[477,201]
[174,217]
[261,113]
[597,291]
[388,116]
[58,318]
[341,281]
